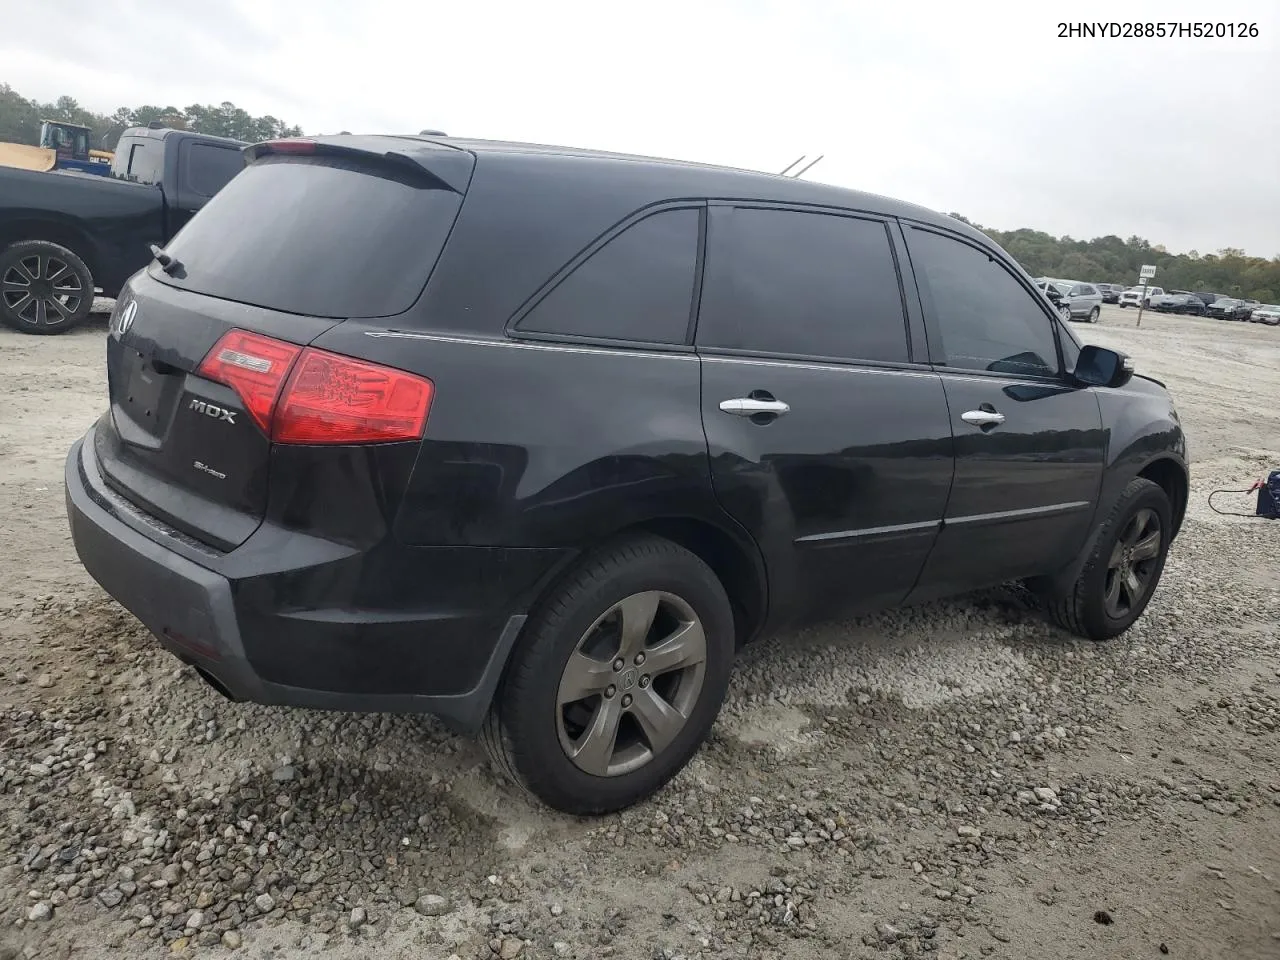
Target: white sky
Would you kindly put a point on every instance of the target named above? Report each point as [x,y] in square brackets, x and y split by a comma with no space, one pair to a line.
[963,105]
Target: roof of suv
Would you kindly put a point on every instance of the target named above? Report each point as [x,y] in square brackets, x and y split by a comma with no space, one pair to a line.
[676,178]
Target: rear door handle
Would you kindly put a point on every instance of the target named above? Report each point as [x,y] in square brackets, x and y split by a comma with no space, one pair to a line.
[982,418]
[752,407]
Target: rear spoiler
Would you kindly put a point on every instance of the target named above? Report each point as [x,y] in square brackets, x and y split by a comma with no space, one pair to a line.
[449,167]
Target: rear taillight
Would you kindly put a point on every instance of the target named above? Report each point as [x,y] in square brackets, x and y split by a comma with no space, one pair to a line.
[312,396]
[254,367]
[334,399]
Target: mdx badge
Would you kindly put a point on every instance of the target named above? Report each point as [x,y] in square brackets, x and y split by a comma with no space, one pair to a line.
[216,412]
[124,319]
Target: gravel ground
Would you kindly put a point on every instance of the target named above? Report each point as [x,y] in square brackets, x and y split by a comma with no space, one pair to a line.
[954,780]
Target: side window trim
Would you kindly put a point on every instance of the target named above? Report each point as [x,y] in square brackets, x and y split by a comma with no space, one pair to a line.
[514,332]
[917,355]
[931,314]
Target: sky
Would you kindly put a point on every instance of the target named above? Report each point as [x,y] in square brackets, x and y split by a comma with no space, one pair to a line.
[968,106]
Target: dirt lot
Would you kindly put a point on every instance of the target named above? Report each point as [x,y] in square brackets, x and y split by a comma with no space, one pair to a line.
[957,780]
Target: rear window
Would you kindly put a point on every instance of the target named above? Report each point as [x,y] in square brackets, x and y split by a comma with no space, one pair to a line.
[321,236]
[207,167]
[144,161]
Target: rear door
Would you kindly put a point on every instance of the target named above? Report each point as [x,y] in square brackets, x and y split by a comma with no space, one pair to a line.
[190,443]
[1029,444]
[829,440]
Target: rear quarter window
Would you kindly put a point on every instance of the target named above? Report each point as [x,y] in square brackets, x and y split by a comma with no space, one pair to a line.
[638,287]
[321,236]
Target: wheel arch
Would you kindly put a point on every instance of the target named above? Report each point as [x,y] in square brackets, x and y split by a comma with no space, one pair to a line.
[65,233]
[1171,477]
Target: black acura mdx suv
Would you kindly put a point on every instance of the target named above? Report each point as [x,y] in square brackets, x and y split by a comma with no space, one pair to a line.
[534,438]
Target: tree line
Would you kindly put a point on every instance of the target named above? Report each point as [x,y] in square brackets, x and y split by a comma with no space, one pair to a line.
[1112,260]
[20,120]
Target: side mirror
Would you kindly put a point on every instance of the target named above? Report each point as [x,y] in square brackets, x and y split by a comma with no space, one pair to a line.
[1100,367]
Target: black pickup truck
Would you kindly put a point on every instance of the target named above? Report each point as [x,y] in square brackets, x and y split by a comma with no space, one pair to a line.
[64,234]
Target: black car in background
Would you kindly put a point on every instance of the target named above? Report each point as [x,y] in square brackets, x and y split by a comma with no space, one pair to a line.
[92,231]
[1206,297]
[535,439]
[1179,301]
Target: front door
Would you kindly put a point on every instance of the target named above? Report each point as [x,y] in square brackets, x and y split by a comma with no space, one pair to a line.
[1029,444]
[827,442]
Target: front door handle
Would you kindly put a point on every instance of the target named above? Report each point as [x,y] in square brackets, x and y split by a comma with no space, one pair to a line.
[982,418]
[754,407]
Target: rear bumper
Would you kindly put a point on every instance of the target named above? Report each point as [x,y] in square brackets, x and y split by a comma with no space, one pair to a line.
[276,623]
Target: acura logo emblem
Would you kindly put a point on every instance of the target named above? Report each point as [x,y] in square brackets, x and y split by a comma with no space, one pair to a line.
[125,320]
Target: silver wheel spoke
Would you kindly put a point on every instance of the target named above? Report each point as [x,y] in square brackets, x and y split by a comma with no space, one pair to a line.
[1147,547]
[41,313]
[1117,554]
[1112,596]
[659,720]
[1132,586]
[637,618]
[594,749]
[583,677]
[11,284]
[684,648]
[57,305]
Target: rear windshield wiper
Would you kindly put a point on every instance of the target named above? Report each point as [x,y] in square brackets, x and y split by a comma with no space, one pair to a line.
[167,263]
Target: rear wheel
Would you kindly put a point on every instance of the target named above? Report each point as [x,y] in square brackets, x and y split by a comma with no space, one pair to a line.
[617,679]
[1094,314]
[44,287]
[1122,572]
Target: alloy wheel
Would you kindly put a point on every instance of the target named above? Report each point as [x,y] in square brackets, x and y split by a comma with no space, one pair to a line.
[631,683]
[1133,564]
[41,290]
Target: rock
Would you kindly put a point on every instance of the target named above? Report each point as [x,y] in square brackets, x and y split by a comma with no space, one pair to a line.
[44,680]
[283,774]
[432,905]
[1026,796]
[241,882]
[179,945]
[171,874]
[40,911]
[967,830]
[38,770]
[111,897]
[557,910]
[196,920]
[511,948]
[264,902]
[231,940]
[358,917]
[1045,795]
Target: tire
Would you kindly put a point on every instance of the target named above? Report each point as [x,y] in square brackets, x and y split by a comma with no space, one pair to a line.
[1085,609]
[1094,314]
[535,724]
[1124,306]
[63,294]
[1065,313]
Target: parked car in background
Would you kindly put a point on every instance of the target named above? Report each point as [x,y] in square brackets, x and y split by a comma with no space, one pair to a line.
[1250,306]
[1179,301]
[1206,297]
[1228,308]
[88,231]
[1268,313]
[1133,296]
[1110,291]
[1074,299]
[403,480]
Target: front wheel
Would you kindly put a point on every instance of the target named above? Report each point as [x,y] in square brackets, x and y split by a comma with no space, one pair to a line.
[1122,572]
[44,287]
[1064,312]
[617,679]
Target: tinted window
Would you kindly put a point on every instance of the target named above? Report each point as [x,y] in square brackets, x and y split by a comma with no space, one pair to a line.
[638,286]
[145,161]
[326,237]
[206,168]
[790,282]
[987,320]
[1070,349]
